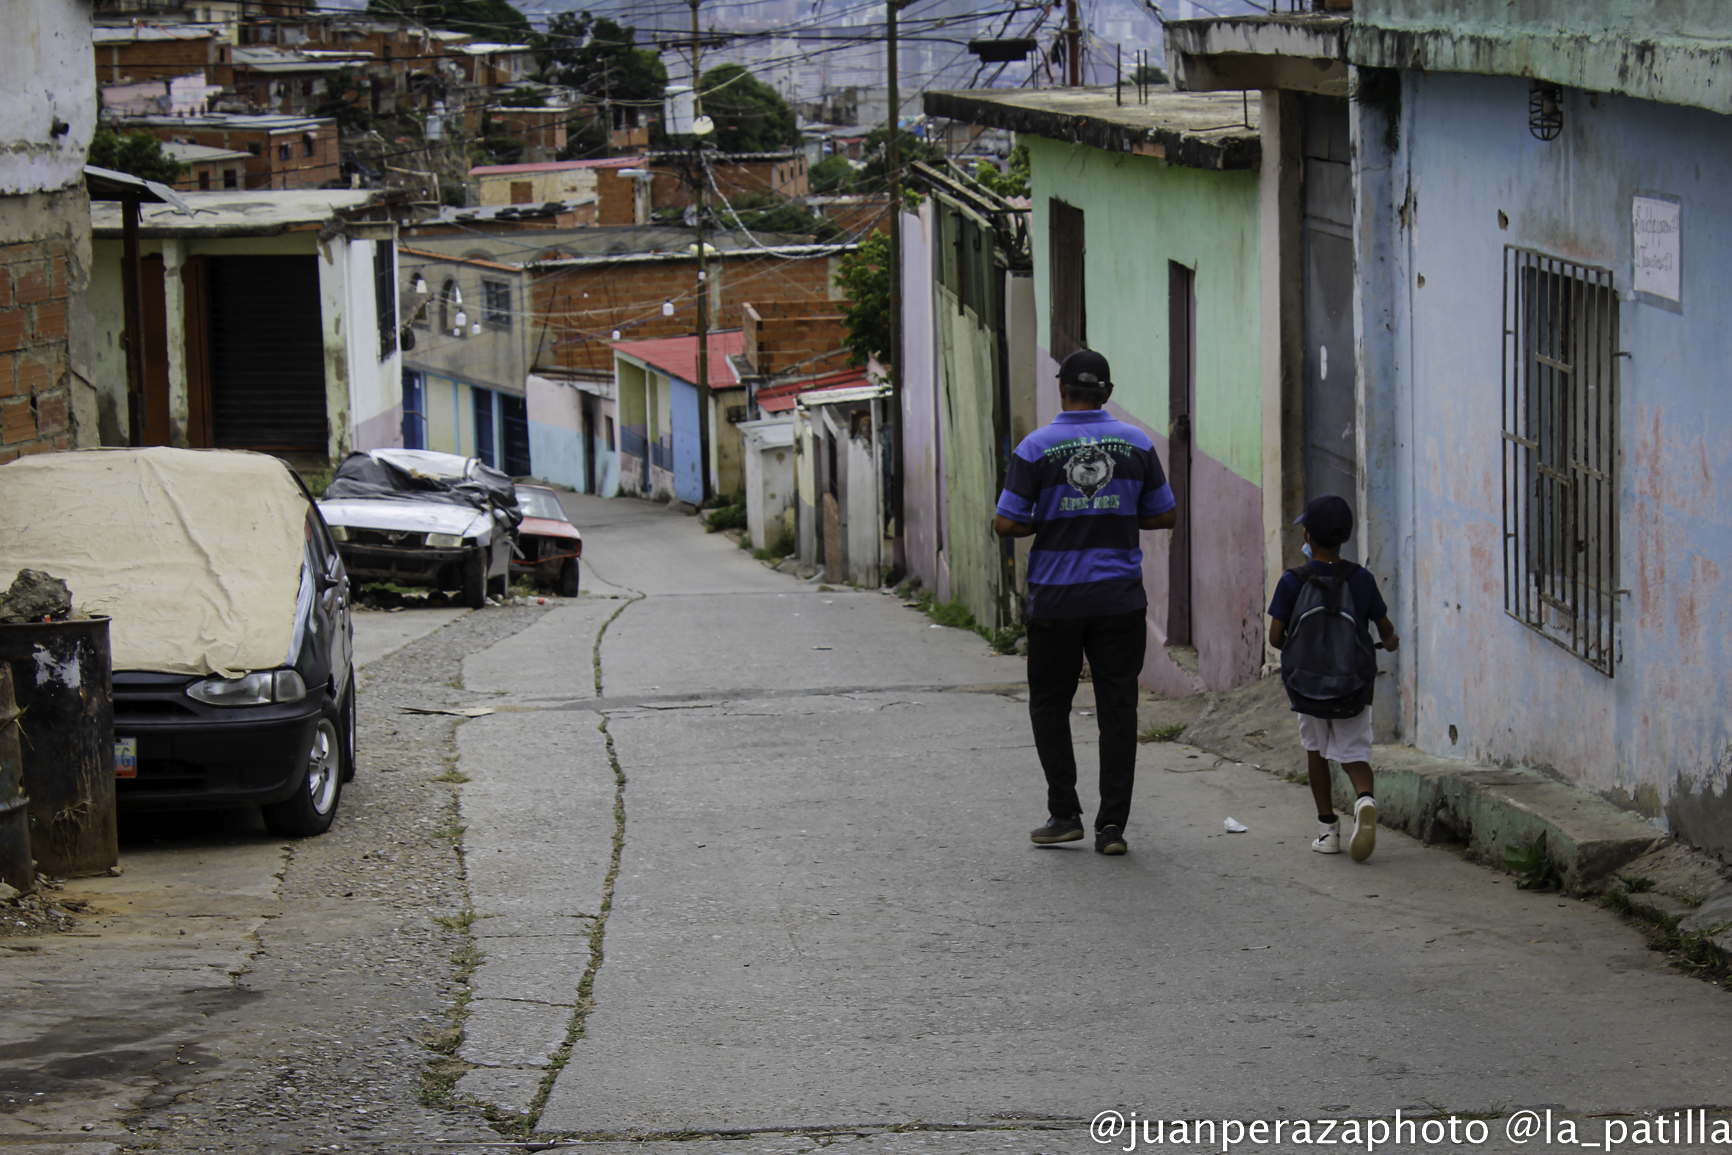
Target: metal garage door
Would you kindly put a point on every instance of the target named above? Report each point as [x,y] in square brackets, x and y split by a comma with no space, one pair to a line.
[267,359]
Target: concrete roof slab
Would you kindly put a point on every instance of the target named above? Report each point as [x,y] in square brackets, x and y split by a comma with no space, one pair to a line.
[1195,130]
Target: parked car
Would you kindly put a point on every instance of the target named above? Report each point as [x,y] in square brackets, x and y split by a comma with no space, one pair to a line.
[230,631]
[423,518]
[548,545]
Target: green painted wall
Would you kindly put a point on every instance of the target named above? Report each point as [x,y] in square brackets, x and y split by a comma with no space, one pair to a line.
[1204,219]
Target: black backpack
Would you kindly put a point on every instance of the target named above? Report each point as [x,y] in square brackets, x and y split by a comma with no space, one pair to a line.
[1328,663]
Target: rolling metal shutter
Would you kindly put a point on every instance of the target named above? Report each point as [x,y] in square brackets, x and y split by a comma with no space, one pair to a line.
[267,362]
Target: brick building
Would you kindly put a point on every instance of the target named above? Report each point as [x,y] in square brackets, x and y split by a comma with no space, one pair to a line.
[782,173]
[581,302]
[786,337]
[286,151]
[49,114]
[147,52]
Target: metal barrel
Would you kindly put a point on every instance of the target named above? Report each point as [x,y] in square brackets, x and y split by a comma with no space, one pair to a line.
[63,683]
[16,868]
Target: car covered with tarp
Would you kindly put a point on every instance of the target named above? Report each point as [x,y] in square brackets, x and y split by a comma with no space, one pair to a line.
[229,621]
[419,517]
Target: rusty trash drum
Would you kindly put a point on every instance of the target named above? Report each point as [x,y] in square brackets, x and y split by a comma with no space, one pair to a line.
[63,684]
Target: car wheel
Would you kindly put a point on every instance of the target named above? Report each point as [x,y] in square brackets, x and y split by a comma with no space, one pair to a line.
[347,723]
[568,579]
[475,580]
[312,807]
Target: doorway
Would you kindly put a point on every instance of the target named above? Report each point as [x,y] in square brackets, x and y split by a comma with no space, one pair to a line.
[1326,242]
[1181,397]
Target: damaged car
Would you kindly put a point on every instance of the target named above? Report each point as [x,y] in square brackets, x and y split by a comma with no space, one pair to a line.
[424,518]
[230,630]
[549,546]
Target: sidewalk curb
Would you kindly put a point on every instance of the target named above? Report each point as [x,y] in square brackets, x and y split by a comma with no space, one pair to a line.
[1483,809]
[1487,810]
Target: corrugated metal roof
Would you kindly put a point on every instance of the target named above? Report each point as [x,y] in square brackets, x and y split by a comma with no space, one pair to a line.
[678,356]
[556,165]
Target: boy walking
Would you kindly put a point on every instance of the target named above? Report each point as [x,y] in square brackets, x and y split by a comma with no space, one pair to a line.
[1319,620]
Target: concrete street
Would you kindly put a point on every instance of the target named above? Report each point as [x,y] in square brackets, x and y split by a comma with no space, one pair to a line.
[742,855]
[827,914]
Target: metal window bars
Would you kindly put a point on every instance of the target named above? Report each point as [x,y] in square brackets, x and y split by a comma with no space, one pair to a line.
[1560,446]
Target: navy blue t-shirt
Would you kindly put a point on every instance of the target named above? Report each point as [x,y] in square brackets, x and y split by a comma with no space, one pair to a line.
[1367,599]
[1083,482]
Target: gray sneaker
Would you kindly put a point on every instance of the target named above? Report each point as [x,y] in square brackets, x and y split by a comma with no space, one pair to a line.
[1110,840]
[1058,830]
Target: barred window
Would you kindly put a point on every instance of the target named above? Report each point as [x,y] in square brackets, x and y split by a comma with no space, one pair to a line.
[496,304]
[1560,447]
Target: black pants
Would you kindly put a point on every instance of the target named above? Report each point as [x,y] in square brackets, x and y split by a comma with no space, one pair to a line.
[1114,645]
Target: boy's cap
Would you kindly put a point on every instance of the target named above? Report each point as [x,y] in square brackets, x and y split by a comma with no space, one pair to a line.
[1329,520]
[1087,368]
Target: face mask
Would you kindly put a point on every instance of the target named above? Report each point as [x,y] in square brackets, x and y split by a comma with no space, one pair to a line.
[1306,550]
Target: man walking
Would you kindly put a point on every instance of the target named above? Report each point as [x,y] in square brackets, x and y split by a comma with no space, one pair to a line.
[1083,487]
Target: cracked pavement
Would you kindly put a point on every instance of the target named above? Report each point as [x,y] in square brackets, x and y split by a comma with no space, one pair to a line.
[754,866]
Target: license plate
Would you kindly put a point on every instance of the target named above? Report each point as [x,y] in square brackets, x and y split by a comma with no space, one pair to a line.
[126,757]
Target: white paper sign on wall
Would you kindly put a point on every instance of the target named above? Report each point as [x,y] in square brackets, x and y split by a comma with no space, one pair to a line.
[1657,248]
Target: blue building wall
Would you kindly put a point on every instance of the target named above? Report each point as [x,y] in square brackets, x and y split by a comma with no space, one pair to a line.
[1470,179]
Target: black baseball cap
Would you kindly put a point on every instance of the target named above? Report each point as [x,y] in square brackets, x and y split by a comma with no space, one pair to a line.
[1087,368]
[1328,519]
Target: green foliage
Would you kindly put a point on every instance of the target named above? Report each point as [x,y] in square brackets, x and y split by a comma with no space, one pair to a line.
[1532,867]
[750,116]
[864,275]
[600,58]
[765,212]
[875,155]
[781,547]
[833,175]
[1162,733]
[1147,74]
[136,152]
[727,517]
[586,138]
[1636,884]
[1013,182]
[522,98]
[495,20]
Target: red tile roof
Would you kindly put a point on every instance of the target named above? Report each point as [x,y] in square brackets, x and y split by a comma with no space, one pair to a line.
[780,397]
[678,356]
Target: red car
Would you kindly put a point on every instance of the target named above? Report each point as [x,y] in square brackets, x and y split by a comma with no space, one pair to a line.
[549,544]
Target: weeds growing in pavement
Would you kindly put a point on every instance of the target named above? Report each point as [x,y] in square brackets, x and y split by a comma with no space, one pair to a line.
[460,921]
[1693,952]
[1532,866]
[1162,733]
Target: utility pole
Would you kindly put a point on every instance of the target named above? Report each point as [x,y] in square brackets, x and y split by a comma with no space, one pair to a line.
[1072,46]
[703,381]
[893,166]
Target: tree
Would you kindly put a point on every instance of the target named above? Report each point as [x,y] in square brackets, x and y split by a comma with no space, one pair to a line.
[831,175]
[864,275]
[496,20]
[586,137]
[750,116]
[599,58]
[1011,183]
[766,212]
[137,153]
[874,176]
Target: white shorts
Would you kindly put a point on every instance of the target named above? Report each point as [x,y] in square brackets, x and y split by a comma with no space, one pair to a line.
[1340,739]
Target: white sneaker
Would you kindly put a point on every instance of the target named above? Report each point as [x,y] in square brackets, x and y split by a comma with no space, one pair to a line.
[1328,839]
[1364,839]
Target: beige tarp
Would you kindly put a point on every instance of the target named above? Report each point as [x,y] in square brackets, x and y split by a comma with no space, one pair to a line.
[194,554]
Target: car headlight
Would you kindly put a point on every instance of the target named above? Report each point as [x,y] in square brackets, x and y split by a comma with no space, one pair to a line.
[339,532]
[444,540]
[258,689]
